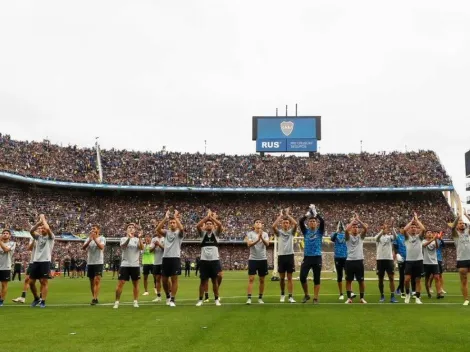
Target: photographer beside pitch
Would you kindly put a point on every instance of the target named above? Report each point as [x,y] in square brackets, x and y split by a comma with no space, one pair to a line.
[95,248]
[130,267]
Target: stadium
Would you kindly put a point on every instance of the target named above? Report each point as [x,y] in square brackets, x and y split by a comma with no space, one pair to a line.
[339,229]
[240,190]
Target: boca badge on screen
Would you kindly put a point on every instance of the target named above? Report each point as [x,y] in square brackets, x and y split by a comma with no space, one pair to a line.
[286,134]
[286,128]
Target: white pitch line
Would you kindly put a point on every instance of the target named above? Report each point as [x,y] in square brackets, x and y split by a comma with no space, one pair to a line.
[230,304]
[187,304]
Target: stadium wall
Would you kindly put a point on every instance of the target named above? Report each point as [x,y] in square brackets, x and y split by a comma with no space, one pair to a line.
[109,187]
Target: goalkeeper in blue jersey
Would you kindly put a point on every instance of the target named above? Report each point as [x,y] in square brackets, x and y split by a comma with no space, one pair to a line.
[313,237]
[341,253]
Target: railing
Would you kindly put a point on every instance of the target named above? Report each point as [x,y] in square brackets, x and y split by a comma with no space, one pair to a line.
[185,189]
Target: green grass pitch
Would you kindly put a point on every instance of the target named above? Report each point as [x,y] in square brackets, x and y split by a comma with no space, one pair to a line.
[70,324]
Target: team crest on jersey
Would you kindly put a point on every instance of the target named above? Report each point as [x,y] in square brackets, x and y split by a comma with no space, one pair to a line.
[287,127]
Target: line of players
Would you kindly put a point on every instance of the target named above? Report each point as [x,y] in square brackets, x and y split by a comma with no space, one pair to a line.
[415,248]
[420,257]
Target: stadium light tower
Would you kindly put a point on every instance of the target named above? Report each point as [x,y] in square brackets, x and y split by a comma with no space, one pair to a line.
[98,160]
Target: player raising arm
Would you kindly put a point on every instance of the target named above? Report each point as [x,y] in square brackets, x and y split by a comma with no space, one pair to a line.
[355,233]
[461,235]
[341,253]
[171,263]
[431,266]
[94,246]
[313,239]
[414,234]
[284,228]
[210,262]
[40,269]
[257,240]
[131,245]
[220,272]
[156,247]
[384,241]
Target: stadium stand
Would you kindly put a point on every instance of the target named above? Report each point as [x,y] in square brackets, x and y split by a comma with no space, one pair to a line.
[72,211]
[52,162]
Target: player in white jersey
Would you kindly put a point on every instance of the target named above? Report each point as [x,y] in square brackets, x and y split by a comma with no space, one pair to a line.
[461,235]
[384,242]
[210,261]
[157,247]
[7,248]
[40,270]
[32,248]
[171,263]
[94,245]
[285,262]
[354,235]
[257,240]
[220,272]
[131,245]
[431,266]
[414,234]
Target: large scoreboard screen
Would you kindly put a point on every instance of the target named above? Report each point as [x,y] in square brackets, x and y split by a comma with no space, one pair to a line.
[467,163]
[286,134]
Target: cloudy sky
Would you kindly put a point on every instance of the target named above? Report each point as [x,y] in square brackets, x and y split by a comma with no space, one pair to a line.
[144,74]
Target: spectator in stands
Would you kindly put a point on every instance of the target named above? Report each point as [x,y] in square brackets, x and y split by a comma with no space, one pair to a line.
[52,162]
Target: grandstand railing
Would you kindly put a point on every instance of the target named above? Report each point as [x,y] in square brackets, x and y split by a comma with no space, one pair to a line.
[173,189]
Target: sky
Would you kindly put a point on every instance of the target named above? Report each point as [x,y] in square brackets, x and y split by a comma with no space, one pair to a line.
[146,74]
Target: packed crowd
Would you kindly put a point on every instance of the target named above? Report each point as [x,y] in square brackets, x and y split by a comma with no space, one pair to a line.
[48,161]
[73,212]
